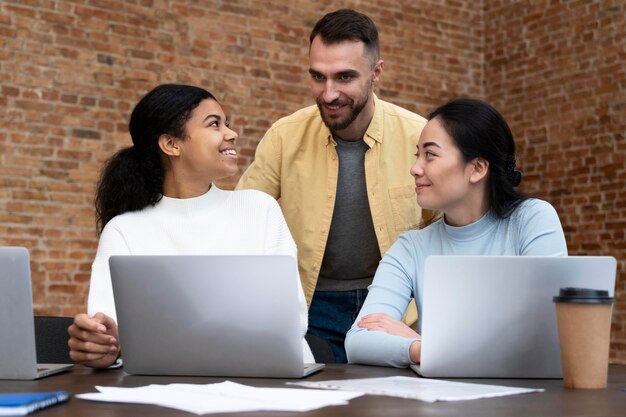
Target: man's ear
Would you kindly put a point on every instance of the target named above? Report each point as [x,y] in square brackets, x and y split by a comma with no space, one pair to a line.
[169,145]
[480,168]
[378,71]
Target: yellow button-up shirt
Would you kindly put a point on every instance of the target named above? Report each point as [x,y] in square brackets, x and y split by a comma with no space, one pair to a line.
[296,163]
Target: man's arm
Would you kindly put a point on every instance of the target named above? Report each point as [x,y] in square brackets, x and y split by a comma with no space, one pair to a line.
[264,172]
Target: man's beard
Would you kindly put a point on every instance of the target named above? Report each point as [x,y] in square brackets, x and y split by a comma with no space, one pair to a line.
[339,124]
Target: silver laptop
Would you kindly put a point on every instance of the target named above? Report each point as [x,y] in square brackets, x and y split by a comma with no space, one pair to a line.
[493,317]
[233,316]
[18,355]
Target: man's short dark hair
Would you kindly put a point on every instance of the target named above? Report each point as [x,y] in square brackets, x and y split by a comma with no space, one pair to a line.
[347,25]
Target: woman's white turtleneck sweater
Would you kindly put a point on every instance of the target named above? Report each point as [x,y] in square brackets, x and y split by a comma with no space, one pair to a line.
[246,222]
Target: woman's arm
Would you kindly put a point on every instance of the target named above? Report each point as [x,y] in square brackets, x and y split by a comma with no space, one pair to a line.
[100,297]
[394,284]
[94,339]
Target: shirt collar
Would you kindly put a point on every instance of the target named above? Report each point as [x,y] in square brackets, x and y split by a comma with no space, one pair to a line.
[474,230]
[189,207]
[375,129]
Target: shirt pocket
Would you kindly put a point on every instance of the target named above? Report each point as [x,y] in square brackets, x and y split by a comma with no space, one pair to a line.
[406,213]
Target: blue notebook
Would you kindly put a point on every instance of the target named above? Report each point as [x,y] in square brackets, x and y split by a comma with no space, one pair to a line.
[19,404]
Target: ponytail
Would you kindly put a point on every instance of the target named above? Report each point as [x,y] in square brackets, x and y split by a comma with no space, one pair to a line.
[128,183]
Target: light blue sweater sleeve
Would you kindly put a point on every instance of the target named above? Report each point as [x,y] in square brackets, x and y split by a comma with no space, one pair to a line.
[389,293]
[533,229]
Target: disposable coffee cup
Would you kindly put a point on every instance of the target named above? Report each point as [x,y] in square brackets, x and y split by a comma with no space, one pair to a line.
[584,322]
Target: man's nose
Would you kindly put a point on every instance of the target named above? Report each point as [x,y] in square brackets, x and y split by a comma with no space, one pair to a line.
[330,92]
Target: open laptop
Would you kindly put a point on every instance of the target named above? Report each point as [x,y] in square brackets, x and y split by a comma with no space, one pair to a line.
[233,316]
[493,317]
[18,355]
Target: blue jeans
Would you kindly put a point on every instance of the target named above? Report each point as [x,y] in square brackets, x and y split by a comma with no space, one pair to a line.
[331,315]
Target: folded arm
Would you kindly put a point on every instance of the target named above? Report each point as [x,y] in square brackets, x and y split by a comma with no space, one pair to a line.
[378,336]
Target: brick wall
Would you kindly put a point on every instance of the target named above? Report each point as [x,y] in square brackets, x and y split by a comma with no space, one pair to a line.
[557,70]
[71,71]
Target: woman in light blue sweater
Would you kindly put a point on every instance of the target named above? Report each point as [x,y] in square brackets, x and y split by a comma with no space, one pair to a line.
[465,168]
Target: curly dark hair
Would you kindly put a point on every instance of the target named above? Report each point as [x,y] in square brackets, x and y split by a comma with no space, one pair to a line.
[133,177]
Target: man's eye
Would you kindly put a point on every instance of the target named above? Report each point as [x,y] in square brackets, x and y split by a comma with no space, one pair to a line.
[317,77]
[345,78]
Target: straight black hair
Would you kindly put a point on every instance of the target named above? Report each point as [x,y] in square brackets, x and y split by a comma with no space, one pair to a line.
[479,130]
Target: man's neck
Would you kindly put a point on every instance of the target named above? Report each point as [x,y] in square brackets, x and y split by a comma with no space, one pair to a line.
[356,130]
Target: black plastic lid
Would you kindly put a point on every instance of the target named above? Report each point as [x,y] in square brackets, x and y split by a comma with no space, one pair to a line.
[583,296]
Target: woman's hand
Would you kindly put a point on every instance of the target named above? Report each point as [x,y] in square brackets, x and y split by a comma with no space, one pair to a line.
[94,341]
[384,323]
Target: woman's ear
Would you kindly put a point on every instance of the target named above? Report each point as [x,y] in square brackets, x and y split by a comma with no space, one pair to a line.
[169,145]
[480,168]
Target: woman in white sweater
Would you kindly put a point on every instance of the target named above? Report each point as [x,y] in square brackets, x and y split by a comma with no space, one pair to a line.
[157,197]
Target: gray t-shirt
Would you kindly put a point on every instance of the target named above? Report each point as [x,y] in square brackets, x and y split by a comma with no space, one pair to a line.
[352,253]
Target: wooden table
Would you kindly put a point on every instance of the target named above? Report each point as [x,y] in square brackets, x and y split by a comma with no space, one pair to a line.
[555,401]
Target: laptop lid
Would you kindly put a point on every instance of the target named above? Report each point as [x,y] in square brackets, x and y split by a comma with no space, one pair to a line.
[208,315]
[493,317]
[18,358]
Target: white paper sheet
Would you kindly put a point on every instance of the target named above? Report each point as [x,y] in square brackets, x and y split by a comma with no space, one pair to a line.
[423,389]
[224,397]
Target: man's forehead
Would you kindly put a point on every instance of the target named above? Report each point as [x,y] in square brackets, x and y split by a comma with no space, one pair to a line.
[338,56]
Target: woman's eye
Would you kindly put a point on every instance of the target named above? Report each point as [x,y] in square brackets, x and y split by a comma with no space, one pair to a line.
[214,123]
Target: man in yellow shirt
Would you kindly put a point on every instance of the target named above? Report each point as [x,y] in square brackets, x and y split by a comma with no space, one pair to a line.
[340,171]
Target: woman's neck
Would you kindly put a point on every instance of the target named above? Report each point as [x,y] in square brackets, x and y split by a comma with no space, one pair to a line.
[184,188]
[467,213]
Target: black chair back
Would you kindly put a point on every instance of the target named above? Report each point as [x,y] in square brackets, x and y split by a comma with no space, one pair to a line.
[322,352]
[51,339]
